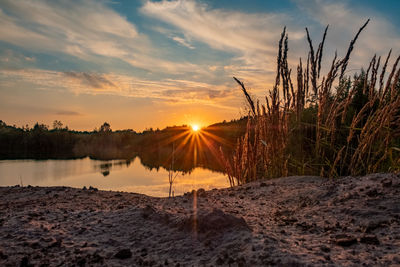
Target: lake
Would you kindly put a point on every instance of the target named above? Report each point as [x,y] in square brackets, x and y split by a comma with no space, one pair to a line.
[116,175]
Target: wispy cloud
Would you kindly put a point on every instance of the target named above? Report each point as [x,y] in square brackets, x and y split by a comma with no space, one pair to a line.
[178,91]
[251,37]
[92,80]
[9,57]
[78,28]
[248,35]
[85,29]
[192,93]
[182,41]
[219,28]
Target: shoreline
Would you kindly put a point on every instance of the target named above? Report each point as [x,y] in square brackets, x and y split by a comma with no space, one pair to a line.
[293,221]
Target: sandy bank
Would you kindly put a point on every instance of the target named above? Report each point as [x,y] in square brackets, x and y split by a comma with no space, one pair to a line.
[292,221]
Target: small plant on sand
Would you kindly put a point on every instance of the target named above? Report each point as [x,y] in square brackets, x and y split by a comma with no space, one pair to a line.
[171,173]
[327,125]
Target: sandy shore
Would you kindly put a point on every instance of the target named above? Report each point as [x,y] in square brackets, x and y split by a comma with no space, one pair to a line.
[294,221]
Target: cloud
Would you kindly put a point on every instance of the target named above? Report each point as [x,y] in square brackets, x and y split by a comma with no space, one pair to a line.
[251,37]
[182,41]
[177,91]
[248,35]
[43,79]
[78,28]
[93,80]
[195,93]
[218,28]
[11,57]
[85,29]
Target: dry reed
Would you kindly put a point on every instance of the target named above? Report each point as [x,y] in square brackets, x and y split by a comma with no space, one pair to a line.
[327,126]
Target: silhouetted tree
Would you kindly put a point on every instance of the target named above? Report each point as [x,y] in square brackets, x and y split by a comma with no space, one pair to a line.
[57,125]
[105,127]
[40,127]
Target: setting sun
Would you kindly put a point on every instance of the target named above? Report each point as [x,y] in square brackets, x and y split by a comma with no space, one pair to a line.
[195,127]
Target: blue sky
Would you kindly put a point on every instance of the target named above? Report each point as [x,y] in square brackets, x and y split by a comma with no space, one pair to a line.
[140,64]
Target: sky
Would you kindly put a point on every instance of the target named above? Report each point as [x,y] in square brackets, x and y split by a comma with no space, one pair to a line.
[138,64]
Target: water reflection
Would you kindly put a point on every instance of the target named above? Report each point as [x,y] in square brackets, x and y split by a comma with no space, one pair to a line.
[105,168]
[119,175]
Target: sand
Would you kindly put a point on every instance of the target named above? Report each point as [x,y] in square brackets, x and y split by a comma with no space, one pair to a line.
[291,221]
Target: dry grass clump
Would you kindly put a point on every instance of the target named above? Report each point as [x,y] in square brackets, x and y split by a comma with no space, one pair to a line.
[331,125]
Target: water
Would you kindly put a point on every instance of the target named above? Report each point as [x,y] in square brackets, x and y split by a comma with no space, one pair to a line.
[116,175]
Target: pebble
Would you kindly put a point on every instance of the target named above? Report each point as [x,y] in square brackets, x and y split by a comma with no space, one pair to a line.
[125,253]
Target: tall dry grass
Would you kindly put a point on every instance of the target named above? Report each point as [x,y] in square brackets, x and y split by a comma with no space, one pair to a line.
[328,125]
